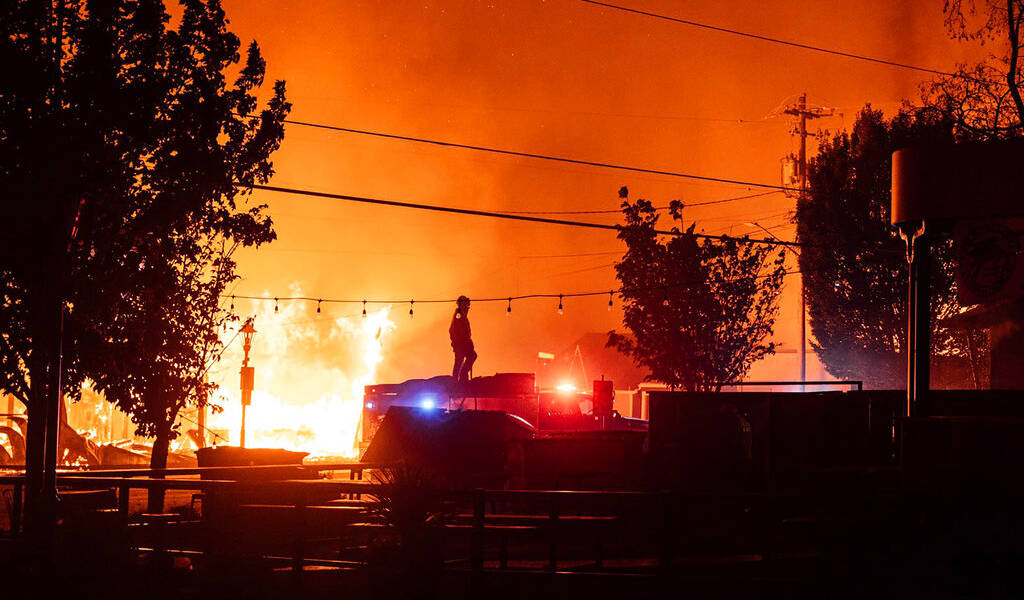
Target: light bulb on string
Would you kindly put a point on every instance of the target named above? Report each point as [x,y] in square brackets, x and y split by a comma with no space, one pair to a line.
[318,305]
[664,290]
[610,296]
[232,303]
[508,311]
[410,308]
[364,309]
[560,309]
[275,306]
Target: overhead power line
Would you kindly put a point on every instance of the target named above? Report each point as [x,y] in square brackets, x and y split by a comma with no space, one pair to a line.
[564,159]
[765,38]
[500,215]
[619,210]
[734,199]
[574,255]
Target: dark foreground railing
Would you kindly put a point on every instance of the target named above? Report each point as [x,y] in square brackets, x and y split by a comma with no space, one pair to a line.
[308,522]
[149,479]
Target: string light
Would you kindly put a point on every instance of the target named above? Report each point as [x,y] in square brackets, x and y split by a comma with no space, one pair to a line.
[560,310]
[410,308]
[508,311]
[318,306]
[664,290]
[507,299]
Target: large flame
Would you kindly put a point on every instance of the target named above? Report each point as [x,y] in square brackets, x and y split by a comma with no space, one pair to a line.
[310,373]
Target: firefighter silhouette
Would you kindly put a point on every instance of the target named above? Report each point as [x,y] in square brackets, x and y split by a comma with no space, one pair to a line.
[462,341]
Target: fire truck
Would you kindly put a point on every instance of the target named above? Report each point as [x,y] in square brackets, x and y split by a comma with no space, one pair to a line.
[561,409]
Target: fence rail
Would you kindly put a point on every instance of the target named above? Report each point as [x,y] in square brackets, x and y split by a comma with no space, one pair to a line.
[834,382]
[552,523]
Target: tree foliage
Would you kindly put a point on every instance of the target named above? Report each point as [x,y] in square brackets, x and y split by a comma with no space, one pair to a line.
[126,156]
[983,100]
[854,264]
[698,312]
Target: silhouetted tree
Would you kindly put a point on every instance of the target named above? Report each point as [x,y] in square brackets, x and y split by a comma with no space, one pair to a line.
[983,100]
[854,263]
[124,153]
[699,312]
[166,334]
[166,331]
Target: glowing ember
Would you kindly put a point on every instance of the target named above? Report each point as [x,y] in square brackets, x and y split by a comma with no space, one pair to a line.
[310,373]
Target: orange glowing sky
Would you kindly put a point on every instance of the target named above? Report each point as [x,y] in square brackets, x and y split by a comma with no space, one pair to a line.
[556,77]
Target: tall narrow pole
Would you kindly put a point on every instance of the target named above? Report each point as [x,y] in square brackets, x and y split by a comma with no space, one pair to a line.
[922,324]
[803,192]
[246,393]
[918,330]
[202,426]
[40,461]
[803,113]
[911,328]
[247,374]
[803,337]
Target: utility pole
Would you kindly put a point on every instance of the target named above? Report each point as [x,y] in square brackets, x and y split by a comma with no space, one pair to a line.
[803,113]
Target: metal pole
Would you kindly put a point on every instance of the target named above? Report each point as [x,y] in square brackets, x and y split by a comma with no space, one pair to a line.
[918,321]
[201,418]
[922,323]
[803,113]
[803,193]
[53,415]
[911,328]
[54,391]
[246,375]
[803,337]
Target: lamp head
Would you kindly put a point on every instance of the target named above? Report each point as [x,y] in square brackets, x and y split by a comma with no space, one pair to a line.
[248,331]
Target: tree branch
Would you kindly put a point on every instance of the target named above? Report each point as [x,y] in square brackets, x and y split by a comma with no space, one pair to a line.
[1013,32]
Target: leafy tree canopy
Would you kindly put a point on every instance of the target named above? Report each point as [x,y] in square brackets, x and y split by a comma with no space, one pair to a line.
[983,100]
[126,152]
[854,264]
[698,312]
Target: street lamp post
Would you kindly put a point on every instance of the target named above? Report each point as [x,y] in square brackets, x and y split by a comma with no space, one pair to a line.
[247,374]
